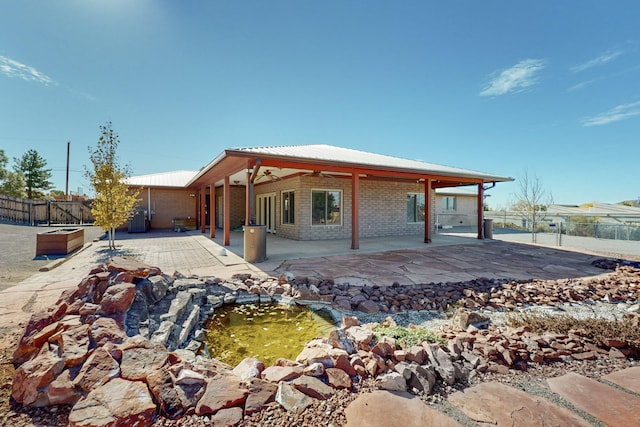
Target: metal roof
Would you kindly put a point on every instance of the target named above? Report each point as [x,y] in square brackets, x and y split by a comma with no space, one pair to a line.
[347,156]
[595,209]
[164,179]
[457,191]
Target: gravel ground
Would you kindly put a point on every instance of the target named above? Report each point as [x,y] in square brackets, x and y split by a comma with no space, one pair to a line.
[18,249]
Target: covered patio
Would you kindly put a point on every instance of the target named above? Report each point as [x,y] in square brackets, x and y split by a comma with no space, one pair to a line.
[245,168]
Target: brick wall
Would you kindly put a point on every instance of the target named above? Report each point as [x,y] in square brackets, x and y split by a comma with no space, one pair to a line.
[383,207]
[167,204]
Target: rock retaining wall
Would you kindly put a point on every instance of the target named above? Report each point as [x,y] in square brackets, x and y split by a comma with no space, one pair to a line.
[123,347]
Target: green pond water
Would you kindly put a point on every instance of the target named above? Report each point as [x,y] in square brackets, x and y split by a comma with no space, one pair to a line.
[264,331]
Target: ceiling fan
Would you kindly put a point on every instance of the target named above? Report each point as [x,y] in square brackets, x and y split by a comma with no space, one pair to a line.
[268,174]
[318,174]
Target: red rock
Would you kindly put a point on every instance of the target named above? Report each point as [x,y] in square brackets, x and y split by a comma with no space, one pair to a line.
[132,266]
[341,361]
[416,354]
[338,378]
[98,369]
[368,306]
[74,345]
[88,308]
[33,331]
[161,384]
[383,349]
[398,409]
[227,417]
[62,391]
[28,346]
[310,355]
[32,376]
[223,391]
[349,321]
[116,403]
[276,374]
[291,399]
[615,353]
[313,387]
[362,336]
[261,393]
[74,307]
[107,330]
[117,298]
[140,360]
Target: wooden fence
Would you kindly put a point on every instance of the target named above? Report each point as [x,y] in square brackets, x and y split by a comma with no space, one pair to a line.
[49,212]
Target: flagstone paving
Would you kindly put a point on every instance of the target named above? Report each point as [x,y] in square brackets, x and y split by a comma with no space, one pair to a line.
[628,378]
[498,404]
[612,406]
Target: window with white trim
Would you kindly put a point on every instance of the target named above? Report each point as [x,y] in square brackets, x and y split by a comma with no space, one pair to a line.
[288,207]
[326,207]
[449,203]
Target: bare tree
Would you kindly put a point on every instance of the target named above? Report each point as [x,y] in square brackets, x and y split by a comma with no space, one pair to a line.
[533,201]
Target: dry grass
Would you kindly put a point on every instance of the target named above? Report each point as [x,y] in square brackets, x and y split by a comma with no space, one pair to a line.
[598,330]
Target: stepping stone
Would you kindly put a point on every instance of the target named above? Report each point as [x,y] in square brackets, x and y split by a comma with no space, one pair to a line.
[607,404]
[498,404]
[627,378]
[397,409]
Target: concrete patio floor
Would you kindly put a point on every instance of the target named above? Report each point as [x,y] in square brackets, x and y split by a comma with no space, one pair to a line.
[379,261]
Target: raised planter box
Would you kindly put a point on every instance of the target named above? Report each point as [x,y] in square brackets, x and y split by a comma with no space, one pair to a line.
[182,224]
[59,242]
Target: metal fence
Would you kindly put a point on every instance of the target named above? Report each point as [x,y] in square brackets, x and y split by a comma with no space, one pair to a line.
[49,212]
[609,228]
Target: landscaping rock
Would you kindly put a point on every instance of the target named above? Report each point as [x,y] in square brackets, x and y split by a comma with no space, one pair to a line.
[223,391]
[291,399]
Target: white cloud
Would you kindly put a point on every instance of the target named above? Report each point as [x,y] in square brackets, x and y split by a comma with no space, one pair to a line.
[12,68]
[617,113]
[600,60]
[514,79]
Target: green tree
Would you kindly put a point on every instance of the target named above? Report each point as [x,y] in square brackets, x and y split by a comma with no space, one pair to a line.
[533,201]
[32,167]
[114,202]
[11,183]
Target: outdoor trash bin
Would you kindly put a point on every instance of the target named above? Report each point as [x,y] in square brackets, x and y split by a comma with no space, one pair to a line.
[488,229]
[255,243]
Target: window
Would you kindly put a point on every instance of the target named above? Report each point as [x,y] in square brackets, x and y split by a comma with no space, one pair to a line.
[288,207]
[415,207]
[449,203]
[325,207]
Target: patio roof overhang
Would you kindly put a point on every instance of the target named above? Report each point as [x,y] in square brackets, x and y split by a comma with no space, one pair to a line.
[235,163]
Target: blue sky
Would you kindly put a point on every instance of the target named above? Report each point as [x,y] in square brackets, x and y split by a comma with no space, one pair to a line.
[552,87]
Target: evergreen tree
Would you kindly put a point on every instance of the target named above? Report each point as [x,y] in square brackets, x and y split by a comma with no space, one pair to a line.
[32,167]
[113,203]
[11,183]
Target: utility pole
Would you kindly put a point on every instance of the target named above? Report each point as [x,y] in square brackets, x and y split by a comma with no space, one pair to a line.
[66,190]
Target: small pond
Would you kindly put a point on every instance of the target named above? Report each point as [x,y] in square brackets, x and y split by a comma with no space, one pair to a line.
[264,331]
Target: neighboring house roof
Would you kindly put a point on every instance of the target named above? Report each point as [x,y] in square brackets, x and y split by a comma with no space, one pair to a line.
[595,209]
[164,179]
[457,191]
[332,158]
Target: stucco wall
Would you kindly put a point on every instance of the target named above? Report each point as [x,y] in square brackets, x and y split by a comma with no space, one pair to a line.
[466,213]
